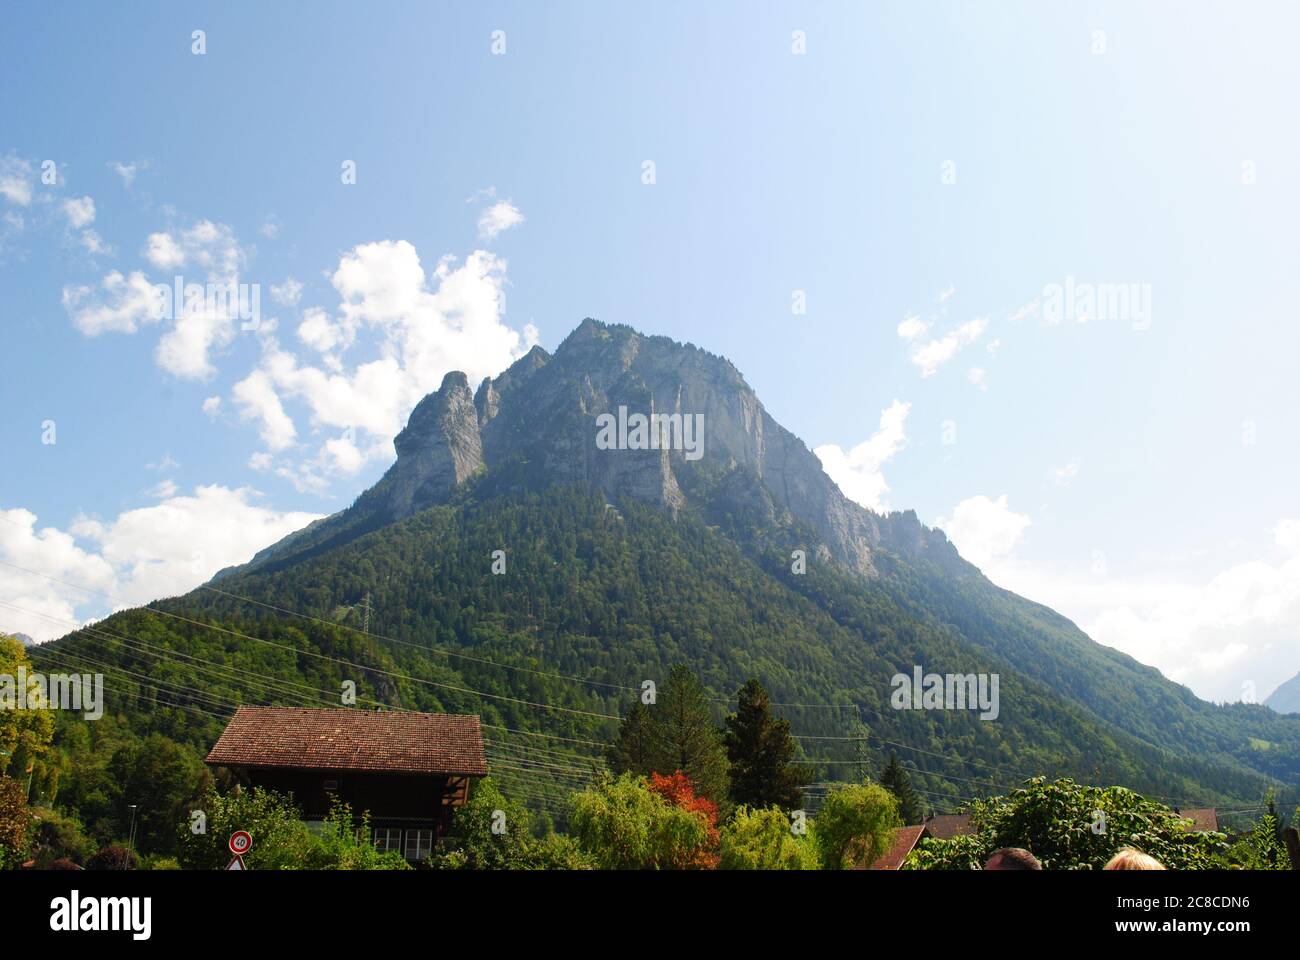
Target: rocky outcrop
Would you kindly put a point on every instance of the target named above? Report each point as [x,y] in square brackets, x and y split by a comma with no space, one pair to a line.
[440,449]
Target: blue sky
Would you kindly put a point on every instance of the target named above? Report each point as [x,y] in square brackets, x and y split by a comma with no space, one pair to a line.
[944,162]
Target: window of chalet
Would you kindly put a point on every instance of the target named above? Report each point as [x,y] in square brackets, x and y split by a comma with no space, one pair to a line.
[419,844]
[388,839]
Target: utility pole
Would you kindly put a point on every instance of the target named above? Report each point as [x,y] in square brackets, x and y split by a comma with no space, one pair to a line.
[365,613]
[130,843]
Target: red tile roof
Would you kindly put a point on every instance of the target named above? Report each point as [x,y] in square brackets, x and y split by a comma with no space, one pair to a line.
[904,841]
[1206,819]
[945,826]
[339,739]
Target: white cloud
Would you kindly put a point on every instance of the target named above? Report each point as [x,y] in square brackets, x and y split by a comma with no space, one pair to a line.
[123,304]
[979,377]
[80,211]
[164,464]
[128,171]
[498,217]
[162,490]
[933,354]
[16,180]
[984,530]
[420,327]
[287,294]
[142,555]
[270,227]
[945,295]
[94,243]
[913,327]
[256,399]
[212,406]
[858,472]
[1066,474]
[1226,635]
[199,326]
[164,252]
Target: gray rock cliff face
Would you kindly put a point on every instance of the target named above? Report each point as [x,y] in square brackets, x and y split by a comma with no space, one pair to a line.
[440,449]
[536,424]
[543,411]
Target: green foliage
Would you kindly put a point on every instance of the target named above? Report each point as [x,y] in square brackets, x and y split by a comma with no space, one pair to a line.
[280,840]
[761,839]
[675,733]
[343,843]
[162,779]
[491,832]
[911,810]
[761,749]
[1262,848]
[1069,826]
[855,826]
[59,836]
[621,825]
[24,734]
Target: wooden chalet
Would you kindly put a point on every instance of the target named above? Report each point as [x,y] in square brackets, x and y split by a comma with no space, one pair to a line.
[409,770]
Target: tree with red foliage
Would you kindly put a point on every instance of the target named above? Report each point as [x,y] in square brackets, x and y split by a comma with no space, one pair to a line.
[680,792]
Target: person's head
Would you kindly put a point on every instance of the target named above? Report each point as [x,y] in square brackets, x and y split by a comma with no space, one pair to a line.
[1012,858]
[1130,859]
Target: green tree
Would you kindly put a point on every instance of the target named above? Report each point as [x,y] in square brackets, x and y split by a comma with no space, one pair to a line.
[855,826]
[676,733]
[632,752]
[621,825]
[761,839]
[489,833]
[162,779]
[761,749]
[894,779]
[24,734]
[1069,826]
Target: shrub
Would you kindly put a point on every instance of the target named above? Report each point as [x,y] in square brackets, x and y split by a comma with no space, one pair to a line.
[113,857]
[621,825]
[762,840]
[1068,826]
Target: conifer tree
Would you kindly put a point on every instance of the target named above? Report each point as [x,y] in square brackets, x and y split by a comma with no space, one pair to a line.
[761,749]
[674,733]
[894,779]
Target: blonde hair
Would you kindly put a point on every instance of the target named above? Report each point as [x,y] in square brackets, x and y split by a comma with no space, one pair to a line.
[1130,859]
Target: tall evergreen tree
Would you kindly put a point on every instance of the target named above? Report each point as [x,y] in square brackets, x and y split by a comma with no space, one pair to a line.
[674,733]
[894,779]
[761,749]
[631,752]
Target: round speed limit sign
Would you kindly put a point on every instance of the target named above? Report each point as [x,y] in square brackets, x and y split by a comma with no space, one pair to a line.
[241,842]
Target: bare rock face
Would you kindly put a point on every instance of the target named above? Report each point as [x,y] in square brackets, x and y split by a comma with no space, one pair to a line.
[537,424]
[440,449]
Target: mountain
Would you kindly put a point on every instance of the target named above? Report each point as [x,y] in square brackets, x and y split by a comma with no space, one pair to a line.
[22,638]
[624,556]
[1286,698]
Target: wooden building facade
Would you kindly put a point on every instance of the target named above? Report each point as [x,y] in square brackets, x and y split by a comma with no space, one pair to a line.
[410,771]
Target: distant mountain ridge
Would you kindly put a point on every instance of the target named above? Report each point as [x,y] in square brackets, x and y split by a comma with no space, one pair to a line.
[1286,698]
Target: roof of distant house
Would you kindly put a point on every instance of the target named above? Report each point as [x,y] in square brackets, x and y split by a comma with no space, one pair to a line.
[1206,819]
[341,739]
[904,840]
[945,826]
